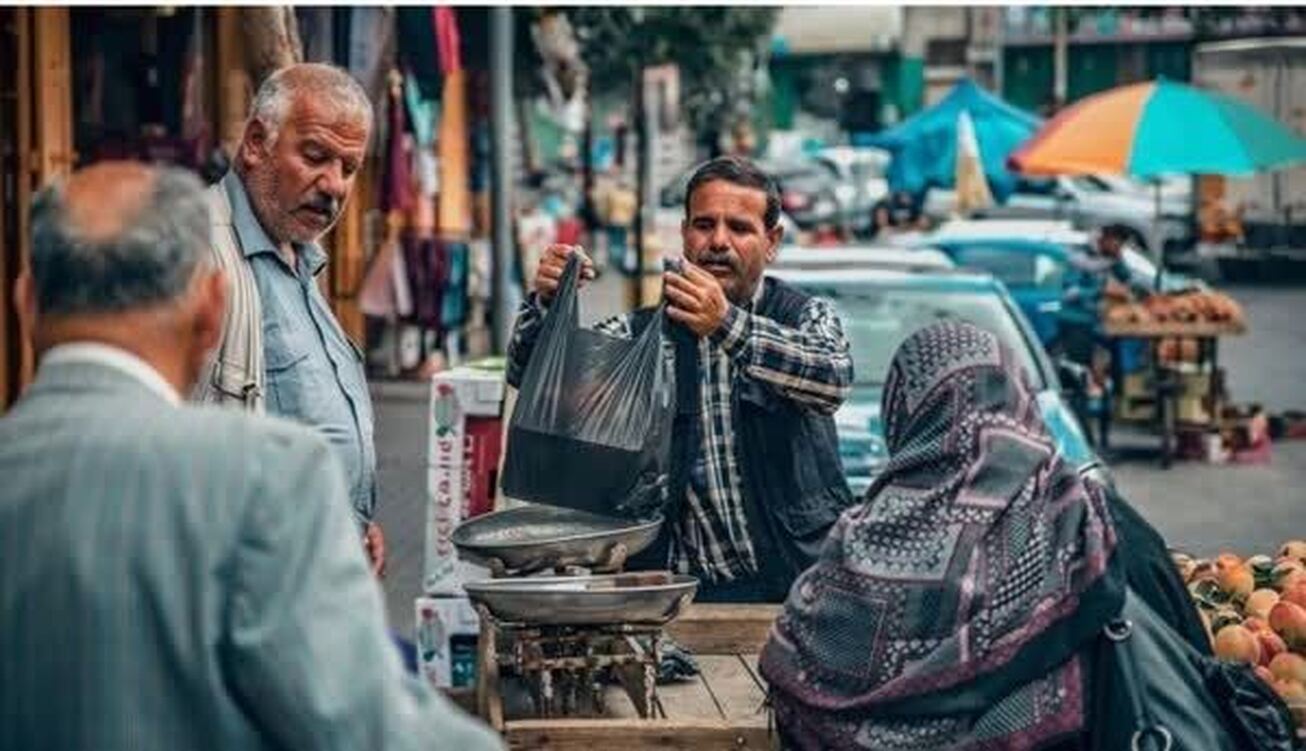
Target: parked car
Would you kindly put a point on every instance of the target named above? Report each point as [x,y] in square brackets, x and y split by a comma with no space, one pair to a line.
[1087,202]
[807,191]
[862,256]
[861,183]
[1036,260]
[880,308]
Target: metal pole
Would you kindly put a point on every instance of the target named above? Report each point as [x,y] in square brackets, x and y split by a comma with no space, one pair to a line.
[1000,62]
[1060,57]
[1282,212]
[501,109]
[1158,237]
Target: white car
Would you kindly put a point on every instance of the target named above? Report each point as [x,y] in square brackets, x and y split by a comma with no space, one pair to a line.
[860,172]
[1088,203]
[793,257]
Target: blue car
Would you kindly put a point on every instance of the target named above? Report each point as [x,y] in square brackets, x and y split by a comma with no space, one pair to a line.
[1037,261]
[880,308]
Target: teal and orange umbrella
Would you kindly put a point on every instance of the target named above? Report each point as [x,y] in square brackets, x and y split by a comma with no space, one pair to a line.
[1151,129]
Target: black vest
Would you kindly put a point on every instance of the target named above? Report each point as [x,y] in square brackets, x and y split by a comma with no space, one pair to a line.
[793,483]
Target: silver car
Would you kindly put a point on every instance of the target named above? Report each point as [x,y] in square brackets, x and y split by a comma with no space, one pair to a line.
[1089,203]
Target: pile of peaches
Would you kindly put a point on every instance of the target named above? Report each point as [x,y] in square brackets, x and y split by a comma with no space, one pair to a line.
[1255,610]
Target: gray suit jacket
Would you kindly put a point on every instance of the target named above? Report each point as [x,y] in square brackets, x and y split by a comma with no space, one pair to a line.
[188,578]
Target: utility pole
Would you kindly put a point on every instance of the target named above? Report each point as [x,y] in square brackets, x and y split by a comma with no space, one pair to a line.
[1060,54]
[1000,53]
[501,109]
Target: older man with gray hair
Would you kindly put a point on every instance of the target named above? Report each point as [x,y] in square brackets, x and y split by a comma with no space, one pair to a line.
[175,576]
[282,349]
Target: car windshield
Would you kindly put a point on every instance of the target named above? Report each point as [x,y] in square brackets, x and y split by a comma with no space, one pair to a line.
[878,319]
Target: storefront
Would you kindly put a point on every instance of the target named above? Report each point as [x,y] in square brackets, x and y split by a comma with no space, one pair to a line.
[173,85]
[36,146]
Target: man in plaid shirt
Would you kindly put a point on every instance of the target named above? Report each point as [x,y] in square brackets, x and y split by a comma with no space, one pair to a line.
[761,368]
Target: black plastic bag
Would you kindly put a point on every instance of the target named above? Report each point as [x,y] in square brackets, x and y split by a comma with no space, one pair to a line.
[592,426]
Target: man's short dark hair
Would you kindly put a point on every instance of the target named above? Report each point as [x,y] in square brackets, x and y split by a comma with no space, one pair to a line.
[742,172]
[1121,232]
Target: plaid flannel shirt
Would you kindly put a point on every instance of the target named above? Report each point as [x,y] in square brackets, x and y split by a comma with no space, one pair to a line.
[809,364]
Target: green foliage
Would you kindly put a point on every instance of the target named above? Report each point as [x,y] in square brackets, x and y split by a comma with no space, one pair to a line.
[708,43]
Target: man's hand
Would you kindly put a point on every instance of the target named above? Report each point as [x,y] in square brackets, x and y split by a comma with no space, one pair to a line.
[552,262]
[696,300]
[374,544]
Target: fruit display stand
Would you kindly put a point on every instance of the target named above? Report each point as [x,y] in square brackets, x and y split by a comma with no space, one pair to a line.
[1167,384]
[721,707]
[1254,610]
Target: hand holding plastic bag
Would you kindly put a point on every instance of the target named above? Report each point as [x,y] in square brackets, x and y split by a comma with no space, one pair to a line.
[592,426]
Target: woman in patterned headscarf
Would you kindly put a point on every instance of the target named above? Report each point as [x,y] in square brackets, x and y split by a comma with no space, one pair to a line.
[953,607]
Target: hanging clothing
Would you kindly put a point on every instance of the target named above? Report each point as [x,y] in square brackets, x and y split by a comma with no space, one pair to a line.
[341,24]
[316,33]
[423,111]
[455,211]
[415,32]
[385,292]
[428,174]
[423,114]
[397,183]
[481,157]
[427,263]
[480,267]
[950,608]
[453,309]
[371,48]
[447,39]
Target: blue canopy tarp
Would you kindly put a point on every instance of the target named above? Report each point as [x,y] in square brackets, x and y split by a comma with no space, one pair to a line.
[924,146]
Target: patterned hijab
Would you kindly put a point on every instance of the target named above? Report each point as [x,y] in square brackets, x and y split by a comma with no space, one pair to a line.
[946,610]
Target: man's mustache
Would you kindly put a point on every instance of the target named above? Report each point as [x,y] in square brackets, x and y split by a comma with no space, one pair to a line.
[323,203]
[722,257]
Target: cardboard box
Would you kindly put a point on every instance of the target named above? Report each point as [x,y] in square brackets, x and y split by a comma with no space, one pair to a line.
[464,444]
[447,632]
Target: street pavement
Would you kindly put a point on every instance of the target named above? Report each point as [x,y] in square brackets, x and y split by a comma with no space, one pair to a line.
[1198,507]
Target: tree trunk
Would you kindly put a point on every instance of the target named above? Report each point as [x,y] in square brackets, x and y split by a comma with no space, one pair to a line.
[271,38]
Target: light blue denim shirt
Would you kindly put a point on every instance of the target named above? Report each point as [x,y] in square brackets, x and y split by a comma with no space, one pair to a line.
[314,372]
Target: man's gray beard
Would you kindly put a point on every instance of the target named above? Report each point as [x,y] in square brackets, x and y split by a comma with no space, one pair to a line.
[257,187]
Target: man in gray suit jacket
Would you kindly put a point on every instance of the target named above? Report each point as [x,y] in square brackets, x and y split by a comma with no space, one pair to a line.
[175,577]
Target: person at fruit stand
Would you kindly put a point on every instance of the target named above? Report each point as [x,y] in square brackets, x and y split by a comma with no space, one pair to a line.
[282,349]
[755,477]
[1099,278]
[1103,276]
[175,576]
[964,603]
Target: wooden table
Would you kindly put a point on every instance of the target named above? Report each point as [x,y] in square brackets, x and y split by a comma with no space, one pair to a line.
[720,708]
[1207,336]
